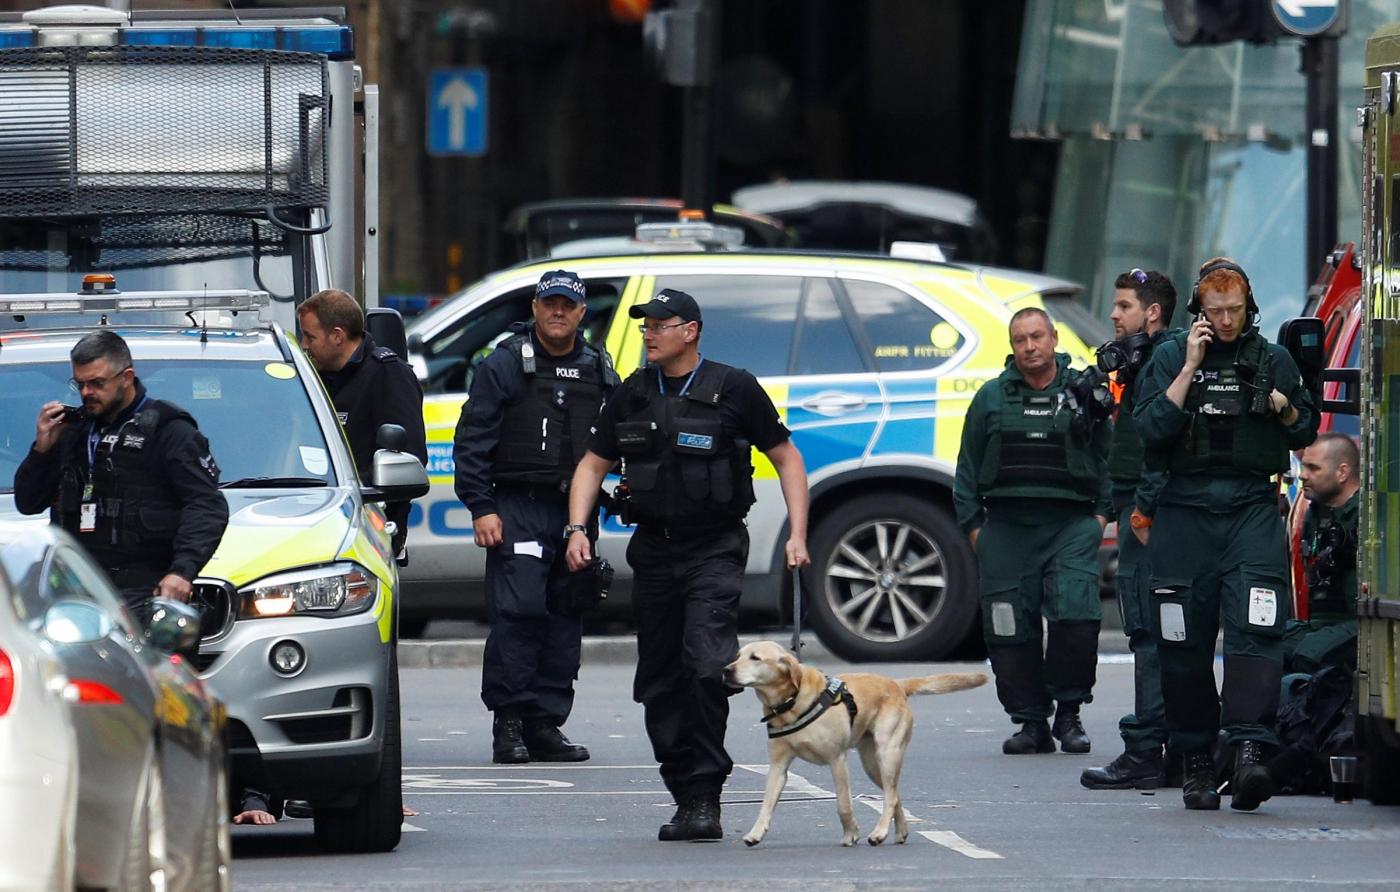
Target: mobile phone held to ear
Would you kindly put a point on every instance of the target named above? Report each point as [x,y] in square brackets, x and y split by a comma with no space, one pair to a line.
[72,414]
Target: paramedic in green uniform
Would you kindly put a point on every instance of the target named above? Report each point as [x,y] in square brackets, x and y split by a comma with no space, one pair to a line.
[1330,479]
[1219,408]
[1032,494]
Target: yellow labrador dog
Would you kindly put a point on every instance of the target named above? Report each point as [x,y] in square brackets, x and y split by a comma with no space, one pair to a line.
[816,718]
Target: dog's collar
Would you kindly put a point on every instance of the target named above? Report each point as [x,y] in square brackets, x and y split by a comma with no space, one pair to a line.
[781,708]
[834,692]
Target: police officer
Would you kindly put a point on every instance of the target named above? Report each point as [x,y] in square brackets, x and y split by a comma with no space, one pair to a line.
[131,477]
[1219,407]
[524,427]
[1332,485]
[1143,304]
[369,384]
[1031,492]
[683,426]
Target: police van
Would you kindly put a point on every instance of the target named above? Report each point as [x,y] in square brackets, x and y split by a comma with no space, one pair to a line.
[871,361]
[209,161]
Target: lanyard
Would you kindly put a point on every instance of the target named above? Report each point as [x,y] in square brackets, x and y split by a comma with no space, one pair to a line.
[94,437]
[661,381]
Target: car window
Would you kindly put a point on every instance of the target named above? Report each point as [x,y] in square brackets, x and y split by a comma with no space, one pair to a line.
[453,354]
[1349,424]
[824,344]
[905,334]
[221,396]
[748,319]
[23,559]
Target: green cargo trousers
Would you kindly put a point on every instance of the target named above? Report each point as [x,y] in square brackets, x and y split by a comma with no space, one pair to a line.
[1145,728]
[1209,568]
[1030,570]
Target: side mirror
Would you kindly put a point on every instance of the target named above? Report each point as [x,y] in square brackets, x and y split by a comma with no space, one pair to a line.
[173,627]
[1304,339]
[76,622]
[398,477]
[391,436]
[385,325]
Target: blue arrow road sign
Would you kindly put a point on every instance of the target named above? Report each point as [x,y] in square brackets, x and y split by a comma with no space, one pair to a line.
[457,111]
[1306,17]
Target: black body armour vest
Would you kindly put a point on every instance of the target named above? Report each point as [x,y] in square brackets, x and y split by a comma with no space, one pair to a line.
[1223,436]
[137,513]
[682,467]
[545,434]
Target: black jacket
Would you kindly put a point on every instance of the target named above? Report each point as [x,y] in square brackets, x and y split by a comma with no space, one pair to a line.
[179,458]
[377,387]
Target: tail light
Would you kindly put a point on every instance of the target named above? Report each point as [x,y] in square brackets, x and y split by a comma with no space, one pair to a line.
[7,683]
[82,690]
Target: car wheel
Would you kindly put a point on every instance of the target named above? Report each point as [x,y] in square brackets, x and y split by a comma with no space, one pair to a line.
[375,822]
[144,869]
[215,850]
[892,578]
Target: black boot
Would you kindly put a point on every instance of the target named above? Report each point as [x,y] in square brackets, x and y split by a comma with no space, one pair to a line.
[1130,771]
[508,739]
[1069,731]
[1198,781]
[546,743]
[1034,737]
[704,819]
[1252,783]
[676,828]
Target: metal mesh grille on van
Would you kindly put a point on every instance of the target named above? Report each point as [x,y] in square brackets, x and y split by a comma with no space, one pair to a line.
[88,131]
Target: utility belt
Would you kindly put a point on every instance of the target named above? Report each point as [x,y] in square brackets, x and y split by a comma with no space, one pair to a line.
[687,531]
[539,492]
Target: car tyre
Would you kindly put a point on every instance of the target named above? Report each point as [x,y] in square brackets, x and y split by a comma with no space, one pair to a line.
[213,867]
[892,578]
[375,822]
[144,867]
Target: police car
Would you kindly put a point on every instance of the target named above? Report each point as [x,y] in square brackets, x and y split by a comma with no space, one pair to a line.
[871,361]
[298,602]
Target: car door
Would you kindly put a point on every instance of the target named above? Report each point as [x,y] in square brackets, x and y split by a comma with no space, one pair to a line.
[786,325]
[442,558]
[114,706]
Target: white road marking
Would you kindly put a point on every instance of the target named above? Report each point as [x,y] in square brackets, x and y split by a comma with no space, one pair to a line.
[946,838]
[951,840]
[409,828]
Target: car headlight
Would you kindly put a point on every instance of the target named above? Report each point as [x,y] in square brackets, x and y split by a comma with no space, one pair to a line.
[336,590]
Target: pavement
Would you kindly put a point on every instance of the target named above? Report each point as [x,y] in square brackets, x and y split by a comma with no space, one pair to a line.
[467,642]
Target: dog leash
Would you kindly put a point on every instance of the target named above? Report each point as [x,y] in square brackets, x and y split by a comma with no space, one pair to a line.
[796,613]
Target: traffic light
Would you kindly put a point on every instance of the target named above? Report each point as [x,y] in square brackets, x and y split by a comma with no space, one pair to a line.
[1197,22]
[1204,22]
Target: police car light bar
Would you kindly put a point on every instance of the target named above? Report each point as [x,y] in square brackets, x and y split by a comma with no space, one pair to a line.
[51,304]
[95,26]
[697,232]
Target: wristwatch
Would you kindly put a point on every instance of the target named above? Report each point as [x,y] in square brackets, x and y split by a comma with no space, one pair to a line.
[1139,521]
[572,528]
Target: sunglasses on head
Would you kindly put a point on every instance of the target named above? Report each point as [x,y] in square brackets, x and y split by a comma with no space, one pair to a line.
[1139,275]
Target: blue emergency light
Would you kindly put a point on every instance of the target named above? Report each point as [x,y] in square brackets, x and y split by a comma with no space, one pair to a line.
[335,42]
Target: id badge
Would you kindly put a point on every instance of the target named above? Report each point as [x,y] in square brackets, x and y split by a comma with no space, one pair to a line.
[87,517]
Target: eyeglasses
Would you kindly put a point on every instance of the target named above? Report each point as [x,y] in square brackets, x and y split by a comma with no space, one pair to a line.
[95,383]
[1139,275]
[658,329]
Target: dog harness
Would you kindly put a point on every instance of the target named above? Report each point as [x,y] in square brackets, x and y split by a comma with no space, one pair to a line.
[834,692]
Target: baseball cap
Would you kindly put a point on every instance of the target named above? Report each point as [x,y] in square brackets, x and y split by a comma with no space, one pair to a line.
[563,283]
[667,303]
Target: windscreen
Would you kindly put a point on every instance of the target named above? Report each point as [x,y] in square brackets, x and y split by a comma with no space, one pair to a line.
[257,416]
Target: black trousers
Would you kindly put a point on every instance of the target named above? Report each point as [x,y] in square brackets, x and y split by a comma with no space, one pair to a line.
[532,656]
[685,601]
